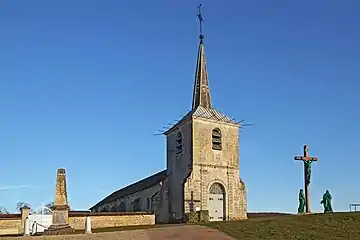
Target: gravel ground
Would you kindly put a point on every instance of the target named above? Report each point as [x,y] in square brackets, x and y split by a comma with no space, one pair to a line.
[192,232]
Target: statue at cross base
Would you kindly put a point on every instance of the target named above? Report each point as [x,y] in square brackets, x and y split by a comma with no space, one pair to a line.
[301,208]
[326,201]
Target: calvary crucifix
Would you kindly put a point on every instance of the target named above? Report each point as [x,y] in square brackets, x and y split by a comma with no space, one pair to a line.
[307,174]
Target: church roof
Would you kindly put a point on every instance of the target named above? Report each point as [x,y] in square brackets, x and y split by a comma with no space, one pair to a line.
[201,94]
[204,113]
[133,188]
[212,114]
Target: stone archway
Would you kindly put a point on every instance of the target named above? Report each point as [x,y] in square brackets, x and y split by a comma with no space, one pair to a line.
[216,202]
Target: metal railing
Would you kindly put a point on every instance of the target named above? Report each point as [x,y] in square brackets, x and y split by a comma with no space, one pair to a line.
[353,206]
[34,227]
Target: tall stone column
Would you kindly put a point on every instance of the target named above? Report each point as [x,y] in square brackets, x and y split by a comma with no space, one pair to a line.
[60,209]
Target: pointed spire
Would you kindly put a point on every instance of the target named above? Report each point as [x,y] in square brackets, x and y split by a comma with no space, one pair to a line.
[201,95]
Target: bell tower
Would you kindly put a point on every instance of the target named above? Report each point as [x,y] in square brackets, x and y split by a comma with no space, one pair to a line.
[203,156]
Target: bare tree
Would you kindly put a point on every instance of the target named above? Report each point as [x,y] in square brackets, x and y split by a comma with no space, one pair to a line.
[21,205]
[3,210]
[48,208]
[49,205]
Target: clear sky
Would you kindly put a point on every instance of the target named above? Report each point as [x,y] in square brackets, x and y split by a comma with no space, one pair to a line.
[85,84]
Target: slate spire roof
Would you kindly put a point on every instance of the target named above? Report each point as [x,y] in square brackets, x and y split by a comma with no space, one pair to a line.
[201,94]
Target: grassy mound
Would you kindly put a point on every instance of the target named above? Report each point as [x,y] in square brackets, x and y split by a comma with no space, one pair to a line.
[314,226]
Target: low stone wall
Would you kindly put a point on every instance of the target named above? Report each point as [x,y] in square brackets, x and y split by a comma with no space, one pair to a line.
[10,224]
[111,219]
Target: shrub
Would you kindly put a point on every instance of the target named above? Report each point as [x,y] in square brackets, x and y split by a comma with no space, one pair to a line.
[197,217]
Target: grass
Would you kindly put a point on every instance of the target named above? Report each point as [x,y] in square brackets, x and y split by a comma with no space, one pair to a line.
[334,226]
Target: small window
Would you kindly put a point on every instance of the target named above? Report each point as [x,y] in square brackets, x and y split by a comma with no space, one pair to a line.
[179,143]
[136,205]
[148,203]
[122,207]
[114,208]
[216,139]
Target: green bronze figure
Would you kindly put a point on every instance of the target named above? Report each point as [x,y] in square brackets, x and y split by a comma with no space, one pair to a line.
[326,201]
[301,208]
[308,171]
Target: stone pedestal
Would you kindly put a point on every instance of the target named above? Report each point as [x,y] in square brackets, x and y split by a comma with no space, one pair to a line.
[27,227]
[59,230]
[88,225]
[60,210]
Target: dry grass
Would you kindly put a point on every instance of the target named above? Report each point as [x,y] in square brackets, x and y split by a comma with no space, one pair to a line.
[333,226]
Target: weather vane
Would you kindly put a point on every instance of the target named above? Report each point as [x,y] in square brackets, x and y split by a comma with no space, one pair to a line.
[201,20]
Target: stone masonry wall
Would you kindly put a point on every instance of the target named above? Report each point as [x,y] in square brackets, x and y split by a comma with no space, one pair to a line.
[105,220]
[10,224]
[178,167]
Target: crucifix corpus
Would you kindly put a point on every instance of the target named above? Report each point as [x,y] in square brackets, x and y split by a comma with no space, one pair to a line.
[307,174]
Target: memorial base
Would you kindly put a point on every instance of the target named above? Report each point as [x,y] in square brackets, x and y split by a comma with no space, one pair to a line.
[60,220]
[59,230]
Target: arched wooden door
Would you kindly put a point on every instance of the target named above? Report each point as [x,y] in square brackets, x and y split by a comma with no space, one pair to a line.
[216,202]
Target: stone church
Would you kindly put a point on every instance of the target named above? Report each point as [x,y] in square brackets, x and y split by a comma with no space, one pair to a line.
[202,170]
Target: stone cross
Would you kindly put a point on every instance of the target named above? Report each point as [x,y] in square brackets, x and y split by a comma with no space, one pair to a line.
[192,204]
[307,174]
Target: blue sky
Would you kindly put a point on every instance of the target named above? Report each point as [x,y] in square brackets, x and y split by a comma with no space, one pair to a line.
[84,85]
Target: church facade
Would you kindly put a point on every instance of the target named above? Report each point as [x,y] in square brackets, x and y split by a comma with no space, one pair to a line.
[202,170]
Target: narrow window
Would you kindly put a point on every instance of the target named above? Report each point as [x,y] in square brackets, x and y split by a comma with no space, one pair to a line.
[216,139]
[114,208]
[122,207]
[179,143]
[148,203]
[136,205]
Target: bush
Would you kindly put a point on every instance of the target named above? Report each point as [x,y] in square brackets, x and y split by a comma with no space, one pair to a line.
[197,217]
[192,217]
[203,216]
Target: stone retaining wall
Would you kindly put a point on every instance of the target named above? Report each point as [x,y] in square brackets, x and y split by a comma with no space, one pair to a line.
[111,219]
[10,224]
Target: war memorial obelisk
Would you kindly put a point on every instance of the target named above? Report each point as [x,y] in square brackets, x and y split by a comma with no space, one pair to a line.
[60,210]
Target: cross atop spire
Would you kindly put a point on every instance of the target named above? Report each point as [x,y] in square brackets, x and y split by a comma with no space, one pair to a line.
[201,94]
[201,21]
